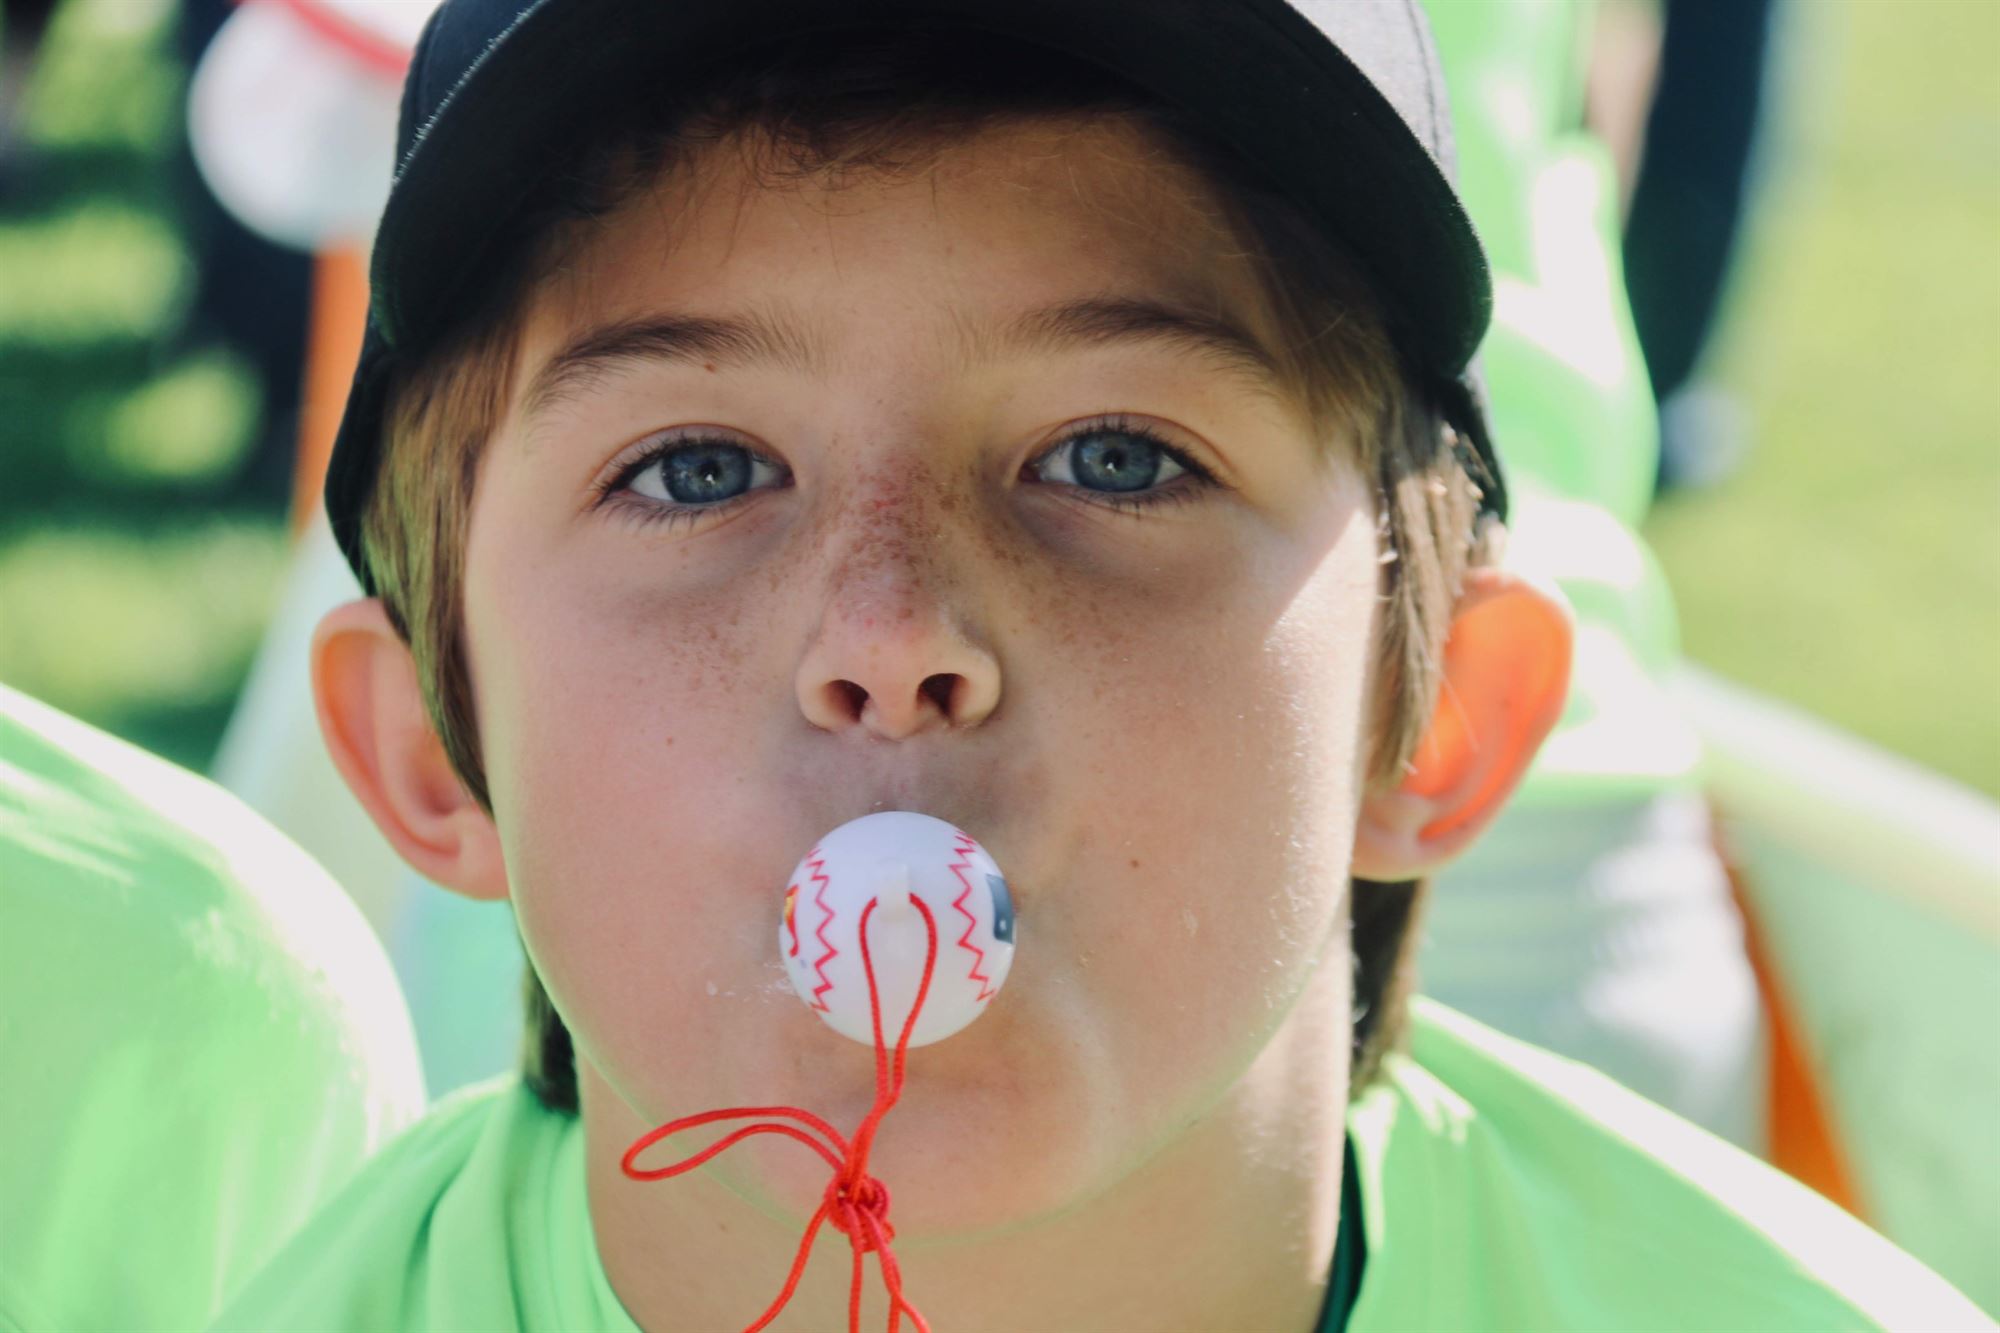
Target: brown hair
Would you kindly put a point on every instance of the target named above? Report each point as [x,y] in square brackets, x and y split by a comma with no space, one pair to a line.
[890,102]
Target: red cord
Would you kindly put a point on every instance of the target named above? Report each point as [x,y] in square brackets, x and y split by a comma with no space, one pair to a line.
[384,56]
[855,1202]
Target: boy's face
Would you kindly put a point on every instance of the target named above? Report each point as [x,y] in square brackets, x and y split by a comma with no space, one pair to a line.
[973,512]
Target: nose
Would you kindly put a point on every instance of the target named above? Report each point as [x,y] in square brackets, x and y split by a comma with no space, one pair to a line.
[890,658]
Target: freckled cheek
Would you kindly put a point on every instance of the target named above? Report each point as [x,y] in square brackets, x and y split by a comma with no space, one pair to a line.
[1203,740]
[1205,903]
[610,687]
[617,753]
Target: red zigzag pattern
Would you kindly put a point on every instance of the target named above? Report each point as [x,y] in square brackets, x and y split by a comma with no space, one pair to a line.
[958,868]
[819,876]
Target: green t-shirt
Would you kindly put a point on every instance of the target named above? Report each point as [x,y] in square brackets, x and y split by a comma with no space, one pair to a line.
[200,1037]
[1499,1186]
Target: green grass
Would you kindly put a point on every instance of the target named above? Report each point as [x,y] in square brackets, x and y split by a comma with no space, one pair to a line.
[1853,566]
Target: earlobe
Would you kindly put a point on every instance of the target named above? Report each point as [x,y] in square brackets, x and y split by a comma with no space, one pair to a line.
[371,712]
[1506,676]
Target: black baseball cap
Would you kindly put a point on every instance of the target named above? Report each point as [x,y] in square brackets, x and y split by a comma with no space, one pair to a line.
[1340,104]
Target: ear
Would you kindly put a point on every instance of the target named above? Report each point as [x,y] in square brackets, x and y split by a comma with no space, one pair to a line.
[372,714]
[1506,676]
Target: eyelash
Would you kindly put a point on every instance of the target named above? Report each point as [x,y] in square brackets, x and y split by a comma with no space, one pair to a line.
[1194,479]
[650,513]
[1181,490]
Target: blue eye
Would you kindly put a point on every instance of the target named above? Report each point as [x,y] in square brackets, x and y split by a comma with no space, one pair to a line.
[701,474]
[1110,461]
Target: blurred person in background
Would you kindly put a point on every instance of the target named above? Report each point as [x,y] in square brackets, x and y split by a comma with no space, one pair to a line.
[1596,919]
[1839,1020]
[1677,91]
[202,1038]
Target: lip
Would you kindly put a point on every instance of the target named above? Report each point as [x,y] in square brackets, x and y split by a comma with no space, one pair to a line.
[974,794]
[989,791]
[970,827]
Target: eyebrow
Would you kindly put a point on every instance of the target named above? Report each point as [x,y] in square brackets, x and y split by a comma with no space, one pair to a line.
[771,337]
[672,338]
[1107,321]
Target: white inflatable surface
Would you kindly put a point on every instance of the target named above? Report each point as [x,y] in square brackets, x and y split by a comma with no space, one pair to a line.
[1877,884]
[292,115]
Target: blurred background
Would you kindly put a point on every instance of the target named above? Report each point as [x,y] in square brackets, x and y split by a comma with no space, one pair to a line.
[1846,560]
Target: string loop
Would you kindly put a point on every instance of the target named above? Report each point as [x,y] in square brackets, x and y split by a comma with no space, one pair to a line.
[856,1204]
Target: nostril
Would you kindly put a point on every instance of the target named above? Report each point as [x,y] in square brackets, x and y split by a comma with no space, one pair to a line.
[846,703]
[847,699]
[939,690]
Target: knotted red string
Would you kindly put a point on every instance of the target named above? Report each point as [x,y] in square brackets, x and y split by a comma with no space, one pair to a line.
[855,1202]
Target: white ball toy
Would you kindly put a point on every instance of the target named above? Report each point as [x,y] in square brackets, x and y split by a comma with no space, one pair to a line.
[292,114]
[892,859]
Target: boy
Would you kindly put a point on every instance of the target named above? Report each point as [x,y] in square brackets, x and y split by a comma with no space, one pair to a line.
[1052,417]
